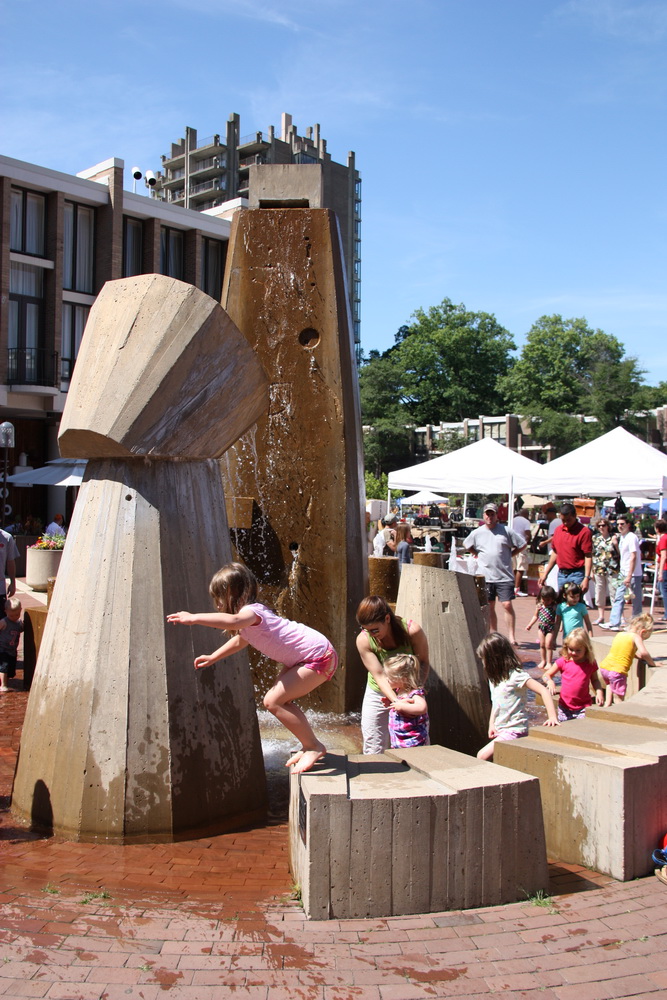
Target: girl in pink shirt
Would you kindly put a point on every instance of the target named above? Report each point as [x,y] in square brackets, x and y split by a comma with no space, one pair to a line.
[578,672]
[308,658]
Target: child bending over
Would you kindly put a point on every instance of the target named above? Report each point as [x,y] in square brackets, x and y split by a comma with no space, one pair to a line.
[625,647]
[509,685]
[307,657]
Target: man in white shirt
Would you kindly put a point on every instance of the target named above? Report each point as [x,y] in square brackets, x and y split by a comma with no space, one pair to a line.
[57,526]
[630,575]
[523,527]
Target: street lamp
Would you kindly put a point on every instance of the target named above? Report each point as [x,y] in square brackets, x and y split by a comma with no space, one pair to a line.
[6,442]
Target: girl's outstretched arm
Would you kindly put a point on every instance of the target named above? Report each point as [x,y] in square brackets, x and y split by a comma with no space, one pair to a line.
[531,622]
[587,621]
[642,651]
[234,645]
[546,696]
[216,619]
[416,705]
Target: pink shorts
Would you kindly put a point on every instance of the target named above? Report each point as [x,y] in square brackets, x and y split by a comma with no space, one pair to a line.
[505,735]
[617,682]
[325,665]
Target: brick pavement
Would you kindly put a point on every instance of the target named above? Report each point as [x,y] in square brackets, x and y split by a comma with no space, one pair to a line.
[212,918]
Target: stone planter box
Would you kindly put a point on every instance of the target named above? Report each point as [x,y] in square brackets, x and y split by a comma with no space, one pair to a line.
[40,565]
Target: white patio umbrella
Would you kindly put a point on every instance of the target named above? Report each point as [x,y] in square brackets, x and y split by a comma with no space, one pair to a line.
[57,472]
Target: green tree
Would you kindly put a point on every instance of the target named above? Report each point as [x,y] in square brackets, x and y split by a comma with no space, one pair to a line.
[451,360]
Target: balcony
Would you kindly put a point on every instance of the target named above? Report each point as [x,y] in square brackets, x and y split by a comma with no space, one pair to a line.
[249,161]
[32,366]
[210,163]
[257,139]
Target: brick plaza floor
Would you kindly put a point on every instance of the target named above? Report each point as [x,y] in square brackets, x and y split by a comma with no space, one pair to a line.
[213,918]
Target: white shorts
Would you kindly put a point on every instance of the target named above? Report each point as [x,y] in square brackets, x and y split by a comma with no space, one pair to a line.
[522,560]
[374,722]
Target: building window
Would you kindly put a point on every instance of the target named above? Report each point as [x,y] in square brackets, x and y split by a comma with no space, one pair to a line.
[212,265]
[27,222]
[133,247]
[28,362]
[74,321]
[171,252]
[78,247]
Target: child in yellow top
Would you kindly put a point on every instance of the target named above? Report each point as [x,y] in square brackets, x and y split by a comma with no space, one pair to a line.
[625,647]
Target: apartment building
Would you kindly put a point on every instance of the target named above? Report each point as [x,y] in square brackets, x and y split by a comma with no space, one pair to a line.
[61,238]
[268,170]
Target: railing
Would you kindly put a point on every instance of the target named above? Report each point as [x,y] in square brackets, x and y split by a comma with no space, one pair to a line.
[215,184]
[174,175]
[32,366]
[208,163]
[253,137]
[212,140]
[248,161]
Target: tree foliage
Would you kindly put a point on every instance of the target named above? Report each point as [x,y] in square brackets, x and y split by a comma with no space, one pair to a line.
[451,360]
[566,367]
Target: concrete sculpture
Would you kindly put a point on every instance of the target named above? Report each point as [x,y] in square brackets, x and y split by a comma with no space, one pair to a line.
[602,781]
[122,738]
[414,831]
[301,467]
[447,607]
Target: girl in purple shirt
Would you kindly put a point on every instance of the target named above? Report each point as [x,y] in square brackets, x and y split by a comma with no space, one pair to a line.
[307,657]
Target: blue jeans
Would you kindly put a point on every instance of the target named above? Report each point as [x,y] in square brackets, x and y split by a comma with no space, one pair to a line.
[663,590]
[616,616]
[569,576]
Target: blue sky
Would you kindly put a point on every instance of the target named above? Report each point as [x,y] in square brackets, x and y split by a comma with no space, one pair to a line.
[512,151]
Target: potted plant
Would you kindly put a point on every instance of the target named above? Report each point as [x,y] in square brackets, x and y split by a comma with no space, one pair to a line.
[43,559]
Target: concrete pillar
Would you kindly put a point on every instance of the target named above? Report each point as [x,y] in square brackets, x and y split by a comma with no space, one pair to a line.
[284,289]
[447,607]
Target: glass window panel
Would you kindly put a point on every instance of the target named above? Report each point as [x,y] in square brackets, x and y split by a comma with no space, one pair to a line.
[13,339]
[34,223]
[26,280]
[80,320]
[32,312]
[132,248]
[84,249]
[16,221]
[176,255]
[68,245]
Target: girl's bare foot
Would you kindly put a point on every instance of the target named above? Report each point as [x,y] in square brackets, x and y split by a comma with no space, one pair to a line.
[295,758]
[307,759]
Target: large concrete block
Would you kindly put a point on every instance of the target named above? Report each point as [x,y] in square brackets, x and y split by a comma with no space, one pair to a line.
[122,738]
[602,781]
[157,365]
[414,831]
[447,607]
[284,289]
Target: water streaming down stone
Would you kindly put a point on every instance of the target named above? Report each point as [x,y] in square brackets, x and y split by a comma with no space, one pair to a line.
[294,482]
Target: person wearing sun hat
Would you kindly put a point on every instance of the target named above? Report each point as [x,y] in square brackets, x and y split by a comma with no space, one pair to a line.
[494,545]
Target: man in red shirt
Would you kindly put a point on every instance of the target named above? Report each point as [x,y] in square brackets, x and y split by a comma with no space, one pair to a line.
[572,550]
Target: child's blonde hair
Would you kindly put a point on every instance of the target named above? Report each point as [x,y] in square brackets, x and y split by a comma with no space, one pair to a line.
[405,668]
[642,623]
[581,637]
[13,604]
[233,587]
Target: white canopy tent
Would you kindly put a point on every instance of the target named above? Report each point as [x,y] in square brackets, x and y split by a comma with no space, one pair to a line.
[483,467]
[616,462]
[422,498]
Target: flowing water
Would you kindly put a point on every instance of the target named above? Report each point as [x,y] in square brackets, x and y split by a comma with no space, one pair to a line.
[340,734]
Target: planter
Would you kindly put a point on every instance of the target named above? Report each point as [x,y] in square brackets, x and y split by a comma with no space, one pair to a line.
[40,565]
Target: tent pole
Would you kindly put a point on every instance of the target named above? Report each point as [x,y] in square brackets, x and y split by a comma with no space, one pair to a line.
[510,504]
[655,564]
